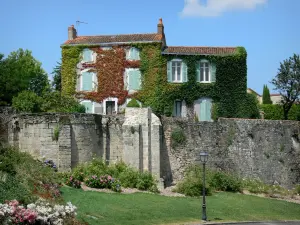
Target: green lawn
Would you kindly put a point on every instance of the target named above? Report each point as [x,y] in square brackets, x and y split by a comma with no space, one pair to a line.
[139,208]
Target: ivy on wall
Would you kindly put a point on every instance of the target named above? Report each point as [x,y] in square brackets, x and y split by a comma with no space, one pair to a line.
[228,91]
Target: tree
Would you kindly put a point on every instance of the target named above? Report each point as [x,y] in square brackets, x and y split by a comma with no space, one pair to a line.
[287,82]
[21,71]
[56,83]
[266,98]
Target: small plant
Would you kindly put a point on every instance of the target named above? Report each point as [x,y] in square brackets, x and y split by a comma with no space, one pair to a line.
[133,103]
[145,181]
[56,131]
[105,181]
[297,189]
[178,137]
[196,118]
[222,181]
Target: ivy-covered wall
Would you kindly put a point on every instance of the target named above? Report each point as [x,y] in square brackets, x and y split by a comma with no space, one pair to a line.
[228,91]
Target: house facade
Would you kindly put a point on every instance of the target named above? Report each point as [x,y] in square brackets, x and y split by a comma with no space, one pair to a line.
[105,72]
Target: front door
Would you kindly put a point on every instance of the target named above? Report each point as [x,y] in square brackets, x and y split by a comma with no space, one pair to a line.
[110,107]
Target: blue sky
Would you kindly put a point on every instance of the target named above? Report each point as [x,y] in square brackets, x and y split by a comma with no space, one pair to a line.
[268,29]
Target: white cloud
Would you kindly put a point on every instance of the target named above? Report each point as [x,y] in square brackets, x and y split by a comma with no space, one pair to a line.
[194,8]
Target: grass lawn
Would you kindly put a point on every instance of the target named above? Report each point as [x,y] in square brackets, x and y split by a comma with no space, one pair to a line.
[139,208]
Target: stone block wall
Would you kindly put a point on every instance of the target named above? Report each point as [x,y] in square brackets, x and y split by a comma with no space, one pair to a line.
[264,149]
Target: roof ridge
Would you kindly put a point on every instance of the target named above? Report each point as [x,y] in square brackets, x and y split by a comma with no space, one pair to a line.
[107,35]
[182,46]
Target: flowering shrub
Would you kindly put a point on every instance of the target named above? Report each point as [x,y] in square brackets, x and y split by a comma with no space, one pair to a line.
[40,212]
[105,181]
[47,190]
[72,182]
[50,164]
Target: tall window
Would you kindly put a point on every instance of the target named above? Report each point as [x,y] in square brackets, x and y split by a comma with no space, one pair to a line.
[178,107]
[176,71]
[204,72]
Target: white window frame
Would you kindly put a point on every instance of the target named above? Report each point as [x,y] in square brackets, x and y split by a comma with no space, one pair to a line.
[93,56]
[128,54]
[94,79]
[204,74]
[181,72]
[93,105]
[113,100]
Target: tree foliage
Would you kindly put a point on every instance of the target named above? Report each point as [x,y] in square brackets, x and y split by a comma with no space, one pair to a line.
[56,83]
[27,101]
[287,82]
[21,71]
[266,98]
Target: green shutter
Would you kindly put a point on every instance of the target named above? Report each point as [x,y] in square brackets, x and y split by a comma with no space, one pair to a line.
[184,72]
[134,80]
[169,71]
[213,72]
[88,106]
[198,71]
[87,81]
[202,111]
[208,110]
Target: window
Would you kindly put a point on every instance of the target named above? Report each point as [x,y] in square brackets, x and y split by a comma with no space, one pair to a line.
[87,55]
[133,79]
[177,71]
[178,107]
[202,109]
[133,54]
[204,72]
[88,81]
[88,106]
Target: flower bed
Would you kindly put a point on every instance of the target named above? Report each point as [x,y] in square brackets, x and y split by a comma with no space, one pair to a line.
[40,212]
[105,181]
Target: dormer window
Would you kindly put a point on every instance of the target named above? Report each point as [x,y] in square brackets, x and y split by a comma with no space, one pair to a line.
[87,55]
[133,54]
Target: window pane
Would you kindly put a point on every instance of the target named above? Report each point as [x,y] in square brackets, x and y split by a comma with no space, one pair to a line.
[178,71]
[206,74]
[178,108]
[173,72]
[201,74]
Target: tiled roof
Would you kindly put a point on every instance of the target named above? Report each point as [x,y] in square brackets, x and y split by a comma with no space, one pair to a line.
[122,38]
[199,50]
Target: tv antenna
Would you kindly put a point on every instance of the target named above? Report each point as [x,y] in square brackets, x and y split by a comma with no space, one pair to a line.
[78,23]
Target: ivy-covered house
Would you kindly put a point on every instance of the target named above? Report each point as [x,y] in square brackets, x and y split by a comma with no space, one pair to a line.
[105,72]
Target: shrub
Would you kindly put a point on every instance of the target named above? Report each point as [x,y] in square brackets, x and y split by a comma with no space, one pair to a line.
[129,178]
[178,137]
[275,112]
[105,181]
[145,181]
[133,103]
[297,189]
[73,182]
[56,102]
[255,186]
[222,181]
[27,101]
[249,107]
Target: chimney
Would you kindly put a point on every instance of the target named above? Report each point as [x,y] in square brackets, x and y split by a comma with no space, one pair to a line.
[160,27]
[72,33]
[160,30]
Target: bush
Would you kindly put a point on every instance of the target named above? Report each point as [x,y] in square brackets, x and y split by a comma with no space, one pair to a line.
[249,107]
[145,181]
[133,103]
[222,181]
[105,181]
[297,189]
[129,178]
[275,112]
[27,101]
[70,181]
[178,137]
[56,102]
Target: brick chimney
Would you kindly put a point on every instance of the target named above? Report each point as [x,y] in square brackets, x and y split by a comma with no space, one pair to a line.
[72,33]
[161,30]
